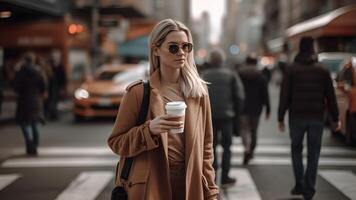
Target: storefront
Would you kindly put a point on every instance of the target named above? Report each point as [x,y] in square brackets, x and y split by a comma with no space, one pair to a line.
[334,31]
[48,40]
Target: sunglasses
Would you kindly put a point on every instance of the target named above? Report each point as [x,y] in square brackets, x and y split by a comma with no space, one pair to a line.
[173,48]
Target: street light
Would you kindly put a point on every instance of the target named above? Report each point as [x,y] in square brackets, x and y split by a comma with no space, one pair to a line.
[5,14]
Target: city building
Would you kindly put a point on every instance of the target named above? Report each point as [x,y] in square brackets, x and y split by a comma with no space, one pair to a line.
[287,21]
[242,28]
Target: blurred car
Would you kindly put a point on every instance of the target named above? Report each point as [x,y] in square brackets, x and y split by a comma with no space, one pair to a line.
[333,60]
[345,90]
[101,96]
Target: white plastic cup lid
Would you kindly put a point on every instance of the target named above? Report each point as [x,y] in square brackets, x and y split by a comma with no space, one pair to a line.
[176,105]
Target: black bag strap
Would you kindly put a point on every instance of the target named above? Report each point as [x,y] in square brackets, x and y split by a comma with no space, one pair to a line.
[141,119]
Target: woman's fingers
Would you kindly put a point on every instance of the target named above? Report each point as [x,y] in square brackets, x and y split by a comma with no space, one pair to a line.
[172,126]
[170,117]
[171,123]
[166,122]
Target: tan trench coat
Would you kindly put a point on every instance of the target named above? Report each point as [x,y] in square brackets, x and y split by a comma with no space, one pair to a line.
[149,177]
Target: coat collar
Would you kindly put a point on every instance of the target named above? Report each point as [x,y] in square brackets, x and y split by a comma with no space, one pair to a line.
[193,113]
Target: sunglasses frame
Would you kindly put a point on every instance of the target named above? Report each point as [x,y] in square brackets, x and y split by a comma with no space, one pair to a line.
[180,46]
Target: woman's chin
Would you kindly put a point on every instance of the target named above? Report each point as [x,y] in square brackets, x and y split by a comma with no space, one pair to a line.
[178,66]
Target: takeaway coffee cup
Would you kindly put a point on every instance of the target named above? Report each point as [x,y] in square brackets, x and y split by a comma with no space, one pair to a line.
[176,108]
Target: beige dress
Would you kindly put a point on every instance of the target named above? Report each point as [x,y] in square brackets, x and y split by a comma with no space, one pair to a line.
[176,147]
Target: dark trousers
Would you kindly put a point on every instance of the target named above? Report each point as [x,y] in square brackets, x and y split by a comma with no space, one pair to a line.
[313,130]
[31,136]
[223,128]
[248,132]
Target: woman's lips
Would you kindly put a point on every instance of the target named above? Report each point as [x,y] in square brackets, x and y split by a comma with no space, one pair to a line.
[180,60]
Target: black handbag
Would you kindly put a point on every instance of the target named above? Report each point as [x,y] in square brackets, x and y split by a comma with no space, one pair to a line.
[119,192]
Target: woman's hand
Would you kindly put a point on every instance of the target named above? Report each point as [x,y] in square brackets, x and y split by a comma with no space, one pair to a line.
[164,123]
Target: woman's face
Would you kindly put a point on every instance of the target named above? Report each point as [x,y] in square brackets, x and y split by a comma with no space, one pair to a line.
[173,52]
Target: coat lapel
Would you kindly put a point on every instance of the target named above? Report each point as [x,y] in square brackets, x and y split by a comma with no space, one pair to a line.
[192,115]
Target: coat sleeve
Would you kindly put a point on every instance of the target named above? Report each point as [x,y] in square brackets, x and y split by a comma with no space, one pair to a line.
[239,91]
[284,96]
[208,170]
[265,93]
[126,138]
[17,82]
[41,83]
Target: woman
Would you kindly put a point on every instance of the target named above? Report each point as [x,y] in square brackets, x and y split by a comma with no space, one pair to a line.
[167,166]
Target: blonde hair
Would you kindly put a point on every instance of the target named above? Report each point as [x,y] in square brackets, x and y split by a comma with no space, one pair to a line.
[190,82]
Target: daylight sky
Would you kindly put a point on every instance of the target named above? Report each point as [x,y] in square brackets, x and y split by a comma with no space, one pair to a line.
[215,8]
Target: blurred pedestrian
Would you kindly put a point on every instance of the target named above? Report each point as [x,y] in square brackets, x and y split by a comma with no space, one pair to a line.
[267,73]
[30,88]
[224,83]
[47,73]
[203,67]
[256,98]
[306,91]
[346,75]
[56,87]
[168,166]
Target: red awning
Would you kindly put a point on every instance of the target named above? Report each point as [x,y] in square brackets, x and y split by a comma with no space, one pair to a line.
[341,21]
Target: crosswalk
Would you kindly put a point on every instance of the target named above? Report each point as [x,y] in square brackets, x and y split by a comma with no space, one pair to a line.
[267,153]
[7,179]
[86,186]
[343,180]
[98,165]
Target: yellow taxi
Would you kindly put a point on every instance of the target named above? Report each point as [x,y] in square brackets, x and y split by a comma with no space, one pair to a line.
[101,96]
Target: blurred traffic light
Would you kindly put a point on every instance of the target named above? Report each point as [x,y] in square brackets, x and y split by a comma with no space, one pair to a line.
[74,29]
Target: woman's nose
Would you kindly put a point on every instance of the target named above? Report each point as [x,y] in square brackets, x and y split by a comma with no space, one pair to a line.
[180,51]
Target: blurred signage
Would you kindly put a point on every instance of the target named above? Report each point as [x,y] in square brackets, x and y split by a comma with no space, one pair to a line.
[34,41]
[117,35]
[108,23]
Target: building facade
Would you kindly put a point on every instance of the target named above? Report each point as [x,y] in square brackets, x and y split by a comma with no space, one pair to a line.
[282,15]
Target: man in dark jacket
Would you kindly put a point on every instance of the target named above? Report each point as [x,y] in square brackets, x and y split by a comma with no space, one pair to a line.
[226,93]
[30,88]
[256,97]
[306,91]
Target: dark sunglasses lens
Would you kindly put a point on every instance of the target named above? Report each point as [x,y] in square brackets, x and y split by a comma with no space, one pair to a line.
[187,47]
[173,48]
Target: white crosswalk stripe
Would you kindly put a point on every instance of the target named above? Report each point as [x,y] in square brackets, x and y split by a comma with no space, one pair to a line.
[271,160]
[103,156]
[245,187]
[7,179]
[87,186]
[236,148]
[60,162]
[344,181]
[102,162]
